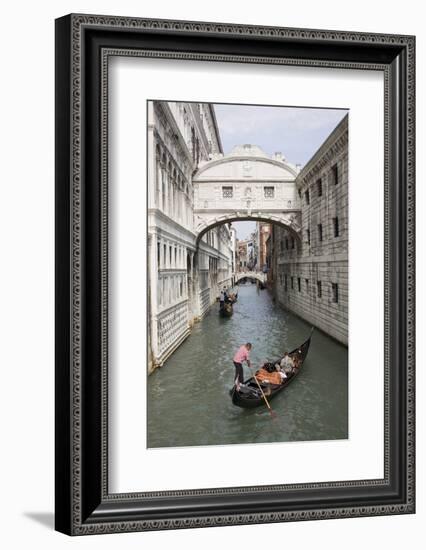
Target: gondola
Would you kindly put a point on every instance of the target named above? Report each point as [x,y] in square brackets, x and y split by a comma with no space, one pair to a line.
[227,310]
[249,395]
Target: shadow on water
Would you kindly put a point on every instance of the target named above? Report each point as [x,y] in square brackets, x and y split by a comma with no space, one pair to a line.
[189,402]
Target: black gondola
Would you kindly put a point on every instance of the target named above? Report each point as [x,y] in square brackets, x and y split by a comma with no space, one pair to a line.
[249,395]
[226,310]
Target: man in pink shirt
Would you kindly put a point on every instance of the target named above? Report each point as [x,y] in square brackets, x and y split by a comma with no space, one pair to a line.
[242,354]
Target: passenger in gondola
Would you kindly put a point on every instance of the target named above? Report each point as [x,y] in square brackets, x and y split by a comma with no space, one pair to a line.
[287,364]
[297,359]
[281,372]
[268,374]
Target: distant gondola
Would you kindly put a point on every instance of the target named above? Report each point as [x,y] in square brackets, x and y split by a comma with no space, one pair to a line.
[226,310]
[250,396]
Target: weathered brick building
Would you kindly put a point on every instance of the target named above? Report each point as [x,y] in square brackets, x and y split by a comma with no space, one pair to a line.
[311,274]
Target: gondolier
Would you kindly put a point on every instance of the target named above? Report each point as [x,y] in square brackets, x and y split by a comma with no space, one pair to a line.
[241,355]
[222,298]
[259,389]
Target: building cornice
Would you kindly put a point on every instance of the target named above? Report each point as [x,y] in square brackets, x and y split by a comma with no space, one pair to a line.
[216,127]
[334,143]
[236,158]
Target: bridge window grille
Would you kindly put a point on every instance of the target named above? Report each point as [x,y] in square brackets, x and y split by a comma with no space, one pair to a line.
[319,289]
[319,187]
[227,192]
[335,292]
[269,192]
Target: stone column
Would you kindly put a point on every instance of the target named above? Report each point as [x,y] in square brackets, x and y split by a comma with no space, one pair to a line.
[158,182]
[166,186]
[153,284]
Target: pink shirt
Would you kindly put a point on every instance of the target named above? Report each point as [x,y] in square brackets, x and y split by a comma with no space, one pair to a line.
[242,355]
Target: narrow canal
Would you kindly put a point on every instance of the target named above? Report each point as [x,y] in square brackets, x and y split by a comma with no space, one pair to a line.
[189,401]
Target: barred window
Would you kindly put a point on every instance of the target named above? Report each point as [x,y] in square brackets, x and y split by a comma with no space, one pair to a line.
[335,292]
[285,282]
[320,231]
[336,227]
[307,200]
[227,192]
[308,236]
[269,192]
[319,289]
[319,187]
[335,173]
[292,283]
[299,287]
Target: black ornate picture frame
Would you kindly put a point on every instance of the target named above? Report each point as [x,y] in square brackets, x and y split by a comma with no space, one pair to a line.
[84,44]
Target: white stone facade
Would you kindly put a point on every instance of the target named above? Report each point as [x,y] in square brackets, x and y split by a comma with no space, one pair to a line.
[310,277]
[246,184]
[184,274]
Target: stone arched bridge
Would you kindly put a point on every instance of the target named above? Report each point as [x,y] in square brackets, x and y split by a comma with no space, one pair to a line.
[250,275]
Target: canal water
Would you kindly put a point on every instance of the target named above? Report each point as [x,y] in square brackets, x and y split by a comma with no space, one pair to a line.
[189,401]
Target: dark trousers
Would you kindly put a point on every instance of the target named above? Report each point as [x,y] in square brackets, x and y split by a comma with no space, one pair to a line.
[239,374]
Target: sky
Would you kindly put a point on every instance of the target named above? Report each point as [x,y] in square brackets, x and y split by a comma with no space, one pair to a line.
[297,132]
[244,229]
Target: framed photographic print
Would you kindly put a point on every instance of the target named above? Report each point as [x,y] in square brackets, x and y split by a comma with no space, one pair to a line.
[234,274]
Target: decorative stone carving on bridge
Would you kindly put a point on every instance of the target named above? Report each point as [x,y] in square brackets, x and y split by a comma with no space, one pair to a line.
[246,184]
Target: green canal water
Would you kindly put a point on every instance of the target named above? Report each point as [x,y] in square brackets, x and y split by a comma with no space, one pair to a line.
[189,401]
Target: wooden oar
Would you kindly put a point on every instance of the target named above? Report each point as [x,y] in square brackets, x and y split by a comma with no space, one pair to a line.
[273,414]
